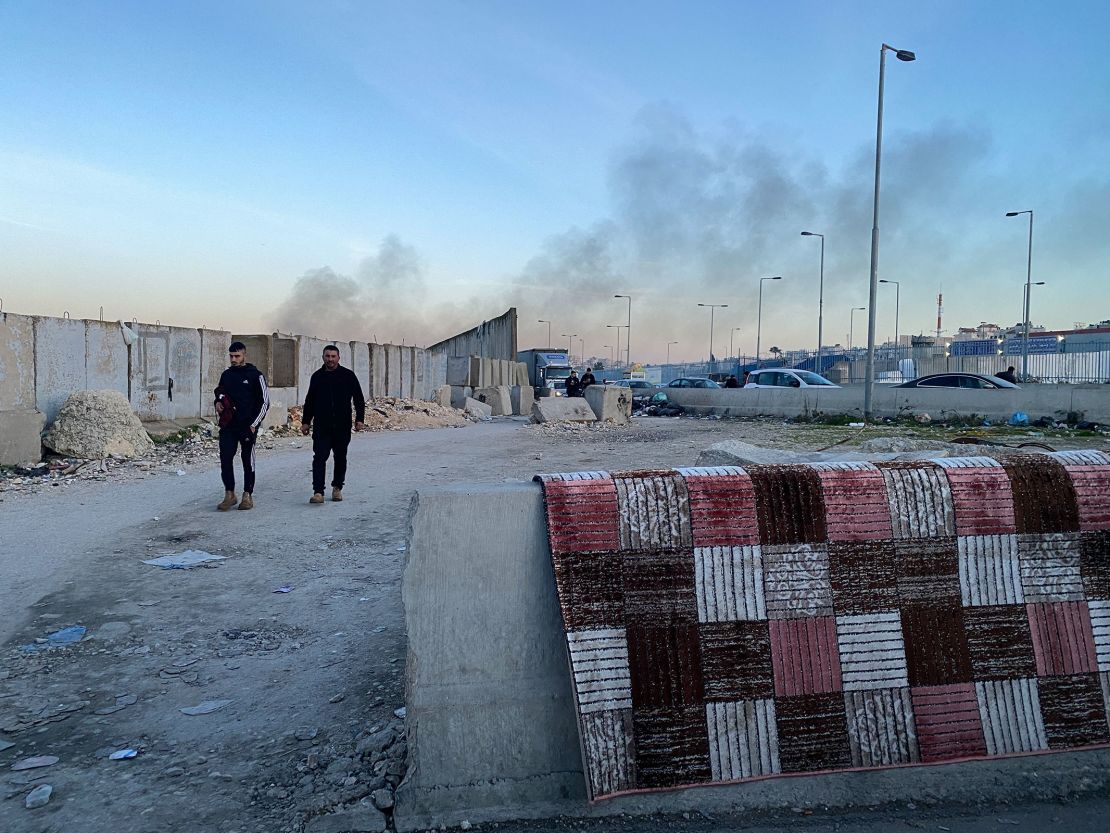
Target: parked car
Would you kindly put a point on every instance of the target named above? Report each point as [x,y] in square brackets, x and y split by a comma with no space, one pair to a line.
[642,390]
[971,381]
[785,378]
[693,382]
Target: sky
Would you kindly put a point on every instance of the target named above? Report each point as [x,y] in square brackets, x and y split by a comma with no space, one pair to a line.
[400,171]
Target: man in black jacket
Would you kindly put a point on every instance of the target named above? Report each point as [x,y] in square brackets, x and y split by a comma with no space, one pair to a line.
[242,400]
[327,413]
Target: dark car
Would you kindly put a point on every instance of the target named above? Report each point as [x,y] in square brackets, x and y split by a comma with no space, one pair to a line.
[693,382]
[967,381]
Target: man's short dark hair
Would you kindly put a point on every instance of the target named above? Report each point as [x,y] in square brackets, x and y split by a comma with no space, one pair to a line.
[237,347]
[331,347]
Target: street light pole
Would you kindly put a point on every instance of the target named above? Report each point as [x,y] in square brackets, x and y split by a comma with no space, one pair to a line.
[617,327]
[610,348]
[732,332]
[669,343]
[548,323]
[712,309]
[582,349]
[852,325]
[873,290]
[628,335]
[1028,279]
[570,343]
[820,298]
[759,317]
[897,306]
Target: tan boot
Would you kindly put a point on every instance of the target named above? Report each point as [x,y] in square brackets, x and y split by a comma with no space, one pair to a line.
[228,501]
[247,502]
[316,498]
[337,494]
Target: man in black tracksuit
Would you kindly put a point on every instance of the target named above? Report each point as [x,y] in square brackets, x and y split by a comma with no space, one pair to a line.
[242,400]
[327,413]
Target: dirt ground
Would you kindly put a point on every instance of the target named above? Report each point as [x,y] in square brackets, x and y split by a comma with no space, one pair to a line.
[306,684]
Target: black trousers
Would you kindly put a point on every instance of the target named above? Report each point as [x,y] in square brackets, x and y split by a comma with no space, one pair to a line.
[333,442]
[232,440]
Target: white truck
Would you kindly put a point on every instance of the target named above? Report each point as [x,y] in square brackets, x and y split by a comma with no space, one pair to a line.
[547,370]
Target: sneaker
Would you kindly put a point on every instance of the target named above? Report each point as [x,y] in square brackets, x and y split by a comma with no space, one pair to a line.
[228,501]
[337,494]
[317,498]
[247,502]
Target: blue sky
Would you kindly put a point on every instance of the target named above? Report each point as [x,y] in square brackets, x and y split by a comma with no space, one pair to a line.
[429,164]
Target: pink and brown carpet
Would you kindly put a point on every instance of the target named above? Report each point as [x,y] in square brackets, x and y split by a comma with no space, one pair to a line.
[733,623]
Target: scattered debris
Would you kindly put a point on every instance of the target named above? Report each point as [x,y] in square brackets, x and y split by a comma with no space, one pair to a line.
[38,797]
[400,713]
[285,588]
[96,424]
[57,639]
[183,560]
[123,754]
[5,744]
[207,707]
[36,762]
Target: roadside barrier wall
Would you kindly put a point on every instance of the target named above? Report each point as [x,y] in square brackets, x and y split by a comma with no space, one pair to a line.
[491,724]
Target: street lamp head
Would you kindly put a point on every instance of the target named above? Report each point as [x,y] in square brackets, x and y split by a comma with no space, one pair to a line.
[622,296]
[1038,283]
[1018,213]
[810,234]
[904,55]
[884,280]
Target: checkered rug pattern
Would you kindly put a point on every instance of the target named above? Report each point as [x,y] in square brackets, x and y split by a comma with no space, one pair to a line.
[731,623]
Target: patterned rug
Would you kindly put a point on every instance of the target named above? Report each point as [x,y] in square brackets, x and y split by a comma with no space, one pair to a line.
[734,623]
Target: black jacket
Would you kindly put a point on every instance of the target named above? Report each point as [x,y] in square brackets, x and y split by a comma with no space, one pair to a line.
[329,397]
[246,387]
[588,379]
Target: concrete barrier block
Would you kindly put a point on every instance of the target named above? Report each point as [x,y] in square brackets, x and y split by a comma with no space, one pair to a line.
[610,403]
[477,409]
[521,373]
[392,370]
[497,397]
[475,379]
[406,372]
[59,362]
[491,726]
[522,398]
[17,362]
[458,370]
[21,437]
[562,409]
[105,357]
[377,386]
[459,395]
[442,396]
[213,361]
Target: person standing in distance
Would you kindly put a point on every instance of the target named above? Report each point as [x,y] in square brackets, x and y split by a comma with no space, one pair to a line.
[327,414]
[242,400]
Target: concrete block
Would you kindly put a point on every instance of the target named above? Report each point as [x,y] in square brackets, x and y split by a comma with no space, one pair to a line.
[377,386]
[443,396]
[477,409]
[281,400]
[491,725]
[105,357]
[610,403]
[163,353]
[521,377]
[476,380]
[487,373]
[21,437]
[392,370]
[59,362]
[407,354]
[360,364]
[213,361]
[458,370]
[522,398]
[421,386]
[459,395]
[562,409]
[497,397]
[17,362]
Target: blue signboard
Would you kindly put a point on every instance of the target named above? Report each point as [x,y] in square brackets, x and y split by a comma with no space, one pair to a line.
[978,347]
[1037,345]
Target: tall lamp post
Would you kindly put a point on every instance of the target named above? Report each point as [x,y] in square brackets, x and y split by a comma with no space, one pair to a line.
[582,349]
[1028,292]
[570,342]
[820,298]
[732,333]
[608,347]
[897,305]
[1028,279]
[628,335]
[548,323]
[712,309]
[873,290]
[852,325]
[759,317]
[669,343]
[618,328]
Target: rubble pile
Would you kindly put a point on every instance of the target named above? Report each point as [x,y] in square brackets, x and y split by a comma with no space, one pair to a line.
[390,414]
[97,424]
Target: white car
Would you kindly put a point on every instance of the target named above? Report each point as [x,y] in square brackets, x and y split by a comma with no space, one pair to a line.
[781,377]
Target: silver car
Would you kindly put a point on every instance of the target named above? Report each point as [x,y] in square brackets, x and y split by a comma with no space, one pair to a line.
[782,377]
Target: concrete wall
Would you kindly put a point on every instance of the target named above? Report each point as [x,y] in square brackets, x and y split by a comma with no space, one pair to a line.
[17,362]
[59,362]
[107,365]
[406,354]
[213,362]
[420,387]
[1092,401]
[160,354]
[392,370]
[491,725]
[494,339]
[378,372]
[360,364]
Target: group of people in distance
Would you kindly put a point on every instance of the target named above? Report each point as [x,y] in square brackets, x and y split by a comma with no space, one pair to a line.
[242,400]
[577,386]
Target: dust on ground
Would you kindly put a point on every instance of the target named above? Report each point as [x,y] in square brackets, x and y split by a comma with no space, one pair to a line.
[293,646]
